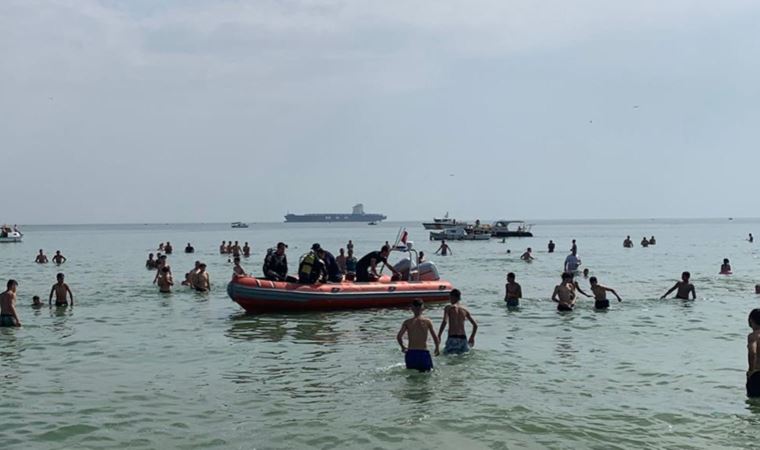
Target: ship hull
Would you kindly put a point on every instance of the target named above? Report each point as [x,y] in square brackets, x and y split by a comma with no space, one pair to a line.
[337,217]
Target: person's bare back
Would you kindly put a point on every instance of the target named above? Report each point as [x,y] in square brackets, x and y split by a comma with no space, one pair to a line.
[417,332]
[8,315]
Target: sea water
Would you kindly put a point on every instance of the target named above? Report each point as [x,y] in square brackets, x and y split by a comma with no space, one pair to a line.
[128,367]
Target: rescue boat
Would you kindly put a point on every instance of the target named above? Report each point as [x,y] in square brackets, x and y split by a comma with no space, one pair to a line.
[419,281]
[261,295]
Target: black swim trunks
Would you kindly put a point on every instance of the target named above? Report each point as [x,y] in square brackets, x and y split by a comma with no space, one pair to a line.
[564,307]
[753,385]
[57,303]
[513,302]
[602,304]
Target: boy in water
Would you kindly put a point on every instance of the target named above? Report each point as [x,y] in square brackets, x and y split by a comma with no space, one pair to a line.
[41,258]
[684,288]
[8,315]
[455,314]
[59,258]
[201,281]
[725,268]
[753,342]
[164,281]
[444,249]
[61,291]
[527,256]
[418,327]
[513,292]
[36,302]
[238,270]
[600,294]
[564,293]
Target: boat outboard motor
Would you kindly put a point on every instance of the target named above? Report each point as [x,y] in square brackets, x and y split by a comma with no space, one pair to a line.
[403,268]
[428,271]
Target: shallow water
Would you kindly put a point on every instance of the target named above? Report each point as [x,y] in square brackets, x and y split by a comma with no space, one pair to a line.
[128,367]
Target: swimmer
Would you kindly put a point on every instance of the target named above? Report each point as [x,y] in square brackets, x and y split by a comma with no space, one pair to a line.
[564,293]
[444,249]
[236,249]
[753,355]
[684,288]
[246,250]
[223,248]
[59,258]
[572,262]
[201,282]
[628,243]
[585,272]
[8,315]
[190,276]
[527,255]
[165,281]
[161,247]
[513,291]
[455,314]
[418,329]
[550,246]
[725,268]
[600,294]
[229,247]
[238,270]
[574,247]
[151,263]
[36,302]
[168,249]
[62,291]
[757,289]
[652,241]
[644,242]
[751,239]
[350,246]
[189,248]
[41,258]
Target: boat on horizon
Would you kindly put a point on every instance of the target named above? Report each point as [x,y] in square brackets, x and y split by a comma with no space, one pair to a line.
[239,225]
[511,228]
[357,215]
[441,224]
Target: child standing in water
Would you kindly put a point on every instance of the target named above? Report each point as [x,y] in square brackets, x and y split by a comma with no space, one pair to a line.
[684,288]
[513,292]
[753,340]
[456,314]
[600,294]
[725,268]
[418,328]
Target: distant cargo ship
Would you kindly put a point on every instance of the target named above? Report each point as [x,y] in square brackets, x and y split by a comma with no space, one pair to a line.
[357,215]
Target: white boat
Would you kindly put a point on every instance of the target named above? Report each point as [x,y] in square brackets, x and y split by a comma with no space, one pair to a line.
[442,224]
[239,225]
[8,234]
[459,233]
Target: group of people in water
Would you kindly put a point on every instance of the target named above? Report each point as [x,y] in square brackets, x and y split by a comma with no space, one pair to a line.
[8,312]
[42,258]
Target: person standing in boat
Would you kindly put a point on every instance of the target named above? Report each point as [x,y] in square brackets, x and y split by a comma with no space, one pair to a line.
[444,249]
[351,265]
[366,268]
[276,263]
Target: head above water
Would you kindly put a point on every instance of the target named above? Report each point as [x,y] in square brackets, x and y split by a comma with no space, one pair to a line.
[455,296]
[11,285]
[511,276]
[725,260]
[417,306]
[685,276]
[593,280]
[59,277]
[754,318]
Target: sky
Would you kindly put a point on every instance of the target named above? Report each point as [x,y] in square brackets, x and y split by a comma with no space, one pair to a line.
[141,111]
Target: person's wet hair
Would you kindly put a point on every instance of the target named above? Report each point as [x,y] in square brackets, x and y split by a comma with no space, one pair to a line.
[59,276]
[567,276]
[417,303]
[385,248]
[686,275]
[725,260]
[456,295]
[11,283]
[510,276]
[592,280]
[754,317]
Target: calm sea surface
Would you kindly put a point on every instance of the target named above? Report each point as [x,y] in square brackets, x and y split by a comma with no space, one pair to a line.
[130,368]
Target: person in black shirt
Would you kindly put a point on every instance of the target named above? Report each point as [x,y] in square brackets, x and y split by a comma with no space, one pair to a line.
[366,268]
[276,264]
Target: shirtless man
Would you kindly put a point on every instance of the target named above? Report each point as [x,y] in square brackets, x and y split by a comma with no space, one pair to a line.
[61,291]
[513,292]
[8,315]
[236,249]
[444,249]
[246,250]
[238,270]
[151,263]
[168,249]
[564,293]
[628,243]
[753,355]
[201,281]
[644,242]
[41,258]
[418,328]
[59,258]
[165,281]
[340,260]
[600,294]
[527,256]
[652,241]
[456,314]
[550,246]
[223,248]
[684,288]
[190,276]
[228,250]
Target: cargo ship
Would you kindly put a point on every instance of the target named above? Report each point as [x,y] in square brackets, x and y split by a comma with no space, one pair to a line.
[357,215]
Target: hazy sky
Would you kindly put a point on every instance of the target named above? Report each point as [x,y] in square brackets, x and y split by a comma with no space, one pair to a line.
[198,111]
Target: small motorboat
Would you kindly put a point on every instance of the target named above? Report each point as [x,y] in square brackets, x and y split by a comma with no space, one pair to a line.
[442,224]
[421,281]
[511,228]
[239,225]
[8,234]
[372,223]
[460,234]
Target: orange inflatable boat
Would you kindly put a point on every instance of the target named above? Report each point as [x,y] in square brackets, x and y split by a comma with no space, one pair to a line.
[261,295]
